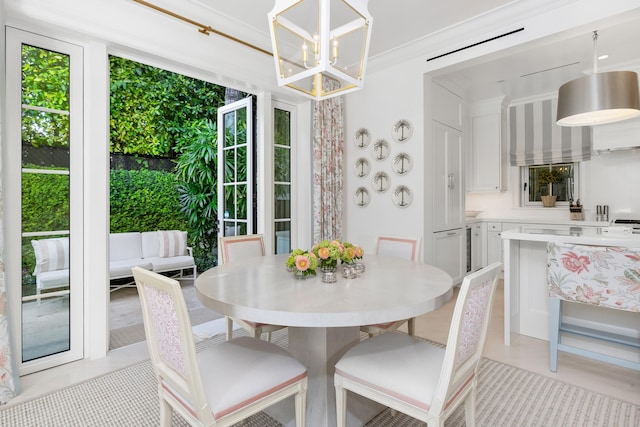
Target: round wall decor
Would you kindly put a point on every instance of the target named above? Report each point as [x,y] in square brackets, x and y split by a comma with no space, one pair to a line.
[402,130]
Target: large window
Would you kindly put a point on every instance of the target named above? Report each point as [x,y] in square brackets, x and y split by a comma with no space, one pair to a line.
[563,185]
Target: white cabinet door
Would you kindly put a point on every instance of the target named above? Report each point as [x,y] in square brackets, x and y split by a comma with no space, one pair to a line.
[486,153]
[477,247]
[448,180]
[488,145]
[449,253]
[446,106]
[494,239]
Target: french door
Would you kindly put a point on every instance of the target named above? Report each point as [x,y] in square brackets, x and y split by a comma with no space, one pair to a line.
[43,176]
[236,191]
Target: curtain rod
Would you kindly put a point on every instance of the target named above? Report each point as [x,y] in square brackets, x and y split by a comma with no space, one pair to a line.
[204,29]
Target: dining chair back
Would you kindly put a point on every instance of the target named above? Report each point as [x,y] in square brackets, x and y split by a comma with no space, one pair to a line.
[239,247]
[401,247]
[235,249]
[420,378]
[222,384]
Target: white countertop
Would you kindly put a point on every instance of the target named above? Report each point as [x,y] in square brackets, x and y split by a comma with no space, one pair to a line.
[572,234]
[551,221]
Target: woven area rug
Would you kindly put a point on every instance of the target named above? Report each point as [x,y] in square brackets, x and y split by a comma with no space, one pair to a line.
[135,333]
[507,396]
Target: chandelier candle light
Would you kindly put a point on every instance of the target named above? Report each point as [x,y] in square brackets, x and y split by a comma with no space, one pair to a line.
[320,47]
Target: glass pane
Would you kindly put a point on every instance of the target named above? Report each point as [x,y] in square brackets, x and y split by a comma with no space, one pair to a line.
[45,202]
[231,228]
[282,201]
[46,323]
[563,189]
[230,201]
[241,130]
[45,129]
[282,164]
[45,78]
[242,201]
[283,237]
[229,129]
[229,165]
[242,226]
[556,180]
[282,127]
[241,164]
[45,184]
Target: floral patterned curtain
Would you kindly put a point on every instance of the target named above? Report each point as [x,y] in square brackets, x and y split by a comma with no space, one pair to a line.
[8,371]
[328,144]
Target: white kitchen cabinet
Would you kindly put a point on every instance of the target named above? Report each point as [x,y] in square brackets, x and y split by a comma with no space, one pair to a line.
[449,253]
[494,242]
[448,179]
[446,106]
[495,247]
[477,247]
[488,162]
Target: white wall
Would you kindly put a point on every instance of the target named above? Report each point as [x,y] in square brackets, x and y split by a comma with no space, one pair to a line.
[388,96]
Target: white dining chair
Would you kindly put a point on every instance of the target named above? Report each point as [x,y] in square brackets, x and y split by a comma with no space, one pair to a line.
[235,249]
[400,247]
[420,378]
[222,384]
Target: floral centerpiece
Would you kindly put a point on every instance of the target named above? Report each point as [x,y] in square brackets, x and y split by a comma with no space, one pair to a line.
[302,263]
[329,252]
[353,252]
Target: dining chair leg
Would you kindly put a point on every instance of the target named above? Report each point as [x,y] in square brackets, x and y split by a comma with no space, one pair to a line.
[470,409]
[165,413]
[229,327]
[301,402]
[411,325]
[341,407]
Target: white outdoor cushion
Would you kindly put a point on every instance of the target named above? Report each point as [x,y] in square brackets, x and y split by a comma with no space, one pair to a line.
[125,246]
[123,268]
[268,367]
[51,254]
[404,358]
[173,263]
[172,243]
[150,244]
[53,279]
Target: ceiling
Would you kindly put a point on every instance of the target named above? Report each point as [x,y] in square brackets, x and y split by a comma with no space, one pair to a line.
[533,68]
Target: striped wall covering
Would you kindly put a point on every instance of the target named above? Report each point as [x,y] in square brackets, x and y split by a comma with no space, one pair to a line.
[536,139]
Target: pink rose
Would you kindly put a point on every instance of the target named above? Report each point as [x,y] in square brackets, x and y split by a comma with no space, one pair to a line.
[302,262]
[575,263]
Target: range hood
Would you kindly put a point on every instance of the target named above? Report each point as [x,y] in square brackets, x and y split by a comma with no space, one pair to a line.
[623,135]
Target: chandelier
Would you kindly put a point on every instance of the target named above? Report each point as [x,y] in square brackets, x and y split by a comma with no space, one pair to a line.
[320,47]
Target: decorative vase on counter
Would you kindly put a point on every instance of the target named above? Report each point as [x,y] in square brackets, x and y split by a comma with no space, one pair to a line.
[548,201]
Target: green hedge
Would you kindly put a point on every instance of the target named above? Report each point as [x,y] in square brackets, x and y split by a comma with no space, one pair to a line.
[145,200]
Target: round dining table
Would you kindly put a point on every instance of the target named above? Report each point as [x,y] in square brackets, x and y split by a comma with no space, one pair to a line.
[323,319]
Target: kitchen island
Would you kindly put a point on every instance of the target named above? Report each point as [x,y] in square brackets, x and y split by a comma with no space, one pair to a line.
[526,301]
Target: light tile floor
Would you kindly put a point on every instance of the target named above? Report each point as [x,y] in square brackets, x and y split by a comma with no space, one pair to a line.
[524,352]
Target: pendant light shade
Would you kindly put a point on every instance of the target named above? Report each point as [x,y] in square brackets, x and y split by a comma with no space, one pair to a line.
[320,47]
[599,98]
